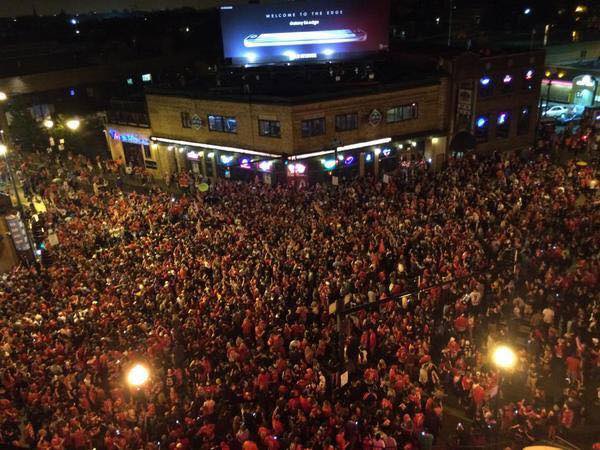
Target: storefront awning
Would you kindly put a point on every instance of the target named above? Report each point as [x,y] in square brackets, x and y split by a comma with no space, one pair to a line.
[213,147]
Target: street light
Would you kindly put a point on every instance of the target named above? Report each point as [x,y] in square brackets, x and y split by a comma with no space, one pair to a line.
[3,96]
[73,124]
[4,154]
[138,375]
[504,357]
[49,123]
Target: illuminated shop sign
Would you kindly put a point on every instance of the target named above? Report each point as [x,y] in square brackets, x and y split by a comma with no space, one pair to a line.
[129,138]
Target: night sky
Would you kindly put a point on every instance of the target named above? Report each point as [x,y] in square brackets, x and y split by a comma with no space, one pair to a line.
[47,7]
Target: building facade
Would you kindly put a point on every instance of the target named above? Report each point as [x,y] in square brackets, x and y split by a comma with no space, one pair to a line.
[494,98]
[341,132]
[464,101]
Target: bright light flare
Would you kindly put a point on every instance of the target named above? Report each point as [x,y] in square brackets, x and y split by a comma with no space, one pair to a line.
[138,375]
[73,124]
[504,357]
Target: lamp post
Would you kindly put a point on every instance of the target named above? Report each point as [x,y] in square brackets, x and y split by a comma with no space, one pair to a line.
[3,121]
[505,359]
[4,153]
[73,124]
[137,376]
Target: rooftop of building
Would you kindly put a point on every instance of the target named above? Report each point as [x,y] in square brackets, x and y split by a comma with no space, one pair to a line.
[484,49]
[294,85]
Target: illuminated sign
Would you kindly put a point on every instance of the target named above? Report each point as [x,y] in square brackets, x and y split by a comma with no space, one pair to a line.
[296,169]
[308,30]
[328,163]
[129,138]
[586,81]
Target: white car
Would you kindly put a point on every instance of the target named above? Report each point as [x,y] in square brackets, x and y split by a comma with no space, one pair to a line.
[556,111]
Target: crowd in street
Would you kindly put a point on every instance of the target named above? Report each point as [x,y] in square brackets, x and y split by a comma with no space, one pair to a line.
[226,297]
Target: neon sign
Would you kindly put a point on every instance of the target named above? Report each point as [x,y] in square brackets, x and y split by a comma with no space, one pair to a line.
[128,138]
[586,81]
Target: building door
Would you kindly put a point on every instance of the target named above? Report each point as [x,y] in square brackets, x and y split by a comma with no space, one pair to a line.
[133,154]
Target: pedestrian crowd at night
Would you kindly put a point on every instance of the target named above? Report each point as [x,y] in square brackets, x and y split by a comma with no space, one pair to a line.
[226,296]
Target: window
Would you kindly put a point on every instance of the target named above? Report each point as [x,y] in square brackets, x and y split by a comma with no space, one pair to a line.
[486,88]
[147,152]
[507,83]
[270,128]
[186,120]
[528,80]
[524,119]
[313,127]
[346,122]
[222,124]
[502,125]
[482,125]
[400,113]
[147,77]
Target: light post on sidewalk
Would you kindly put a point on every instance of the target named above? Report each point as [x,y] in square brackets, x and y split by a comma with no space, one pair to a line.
[4,153]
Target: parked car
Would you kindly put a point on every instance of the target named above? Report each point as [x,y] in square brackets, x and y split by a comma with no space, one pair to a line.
[556,111]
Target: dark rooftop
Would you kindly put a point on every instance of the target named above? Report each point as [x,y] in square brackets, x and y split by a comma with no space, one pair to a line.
[301,84]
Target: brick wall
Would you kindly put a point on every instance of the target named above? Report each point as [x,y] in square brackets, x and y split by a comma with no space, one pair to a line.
[165,119]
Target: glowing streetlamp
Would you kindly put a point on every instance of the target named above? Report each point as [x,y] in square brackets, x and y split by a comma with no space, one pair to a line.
[73,124]
[49,123]
[138,375]
[3,96]
[504,357]
[3,150]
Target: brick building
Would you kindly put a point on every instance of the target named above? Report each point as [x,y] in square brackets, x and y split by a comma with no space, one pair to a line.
[453,101]
[231,134]
[493,96]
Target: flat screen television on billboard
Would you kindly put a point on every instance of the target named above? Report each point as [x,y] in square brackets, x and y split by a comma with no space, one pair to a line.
[304,31]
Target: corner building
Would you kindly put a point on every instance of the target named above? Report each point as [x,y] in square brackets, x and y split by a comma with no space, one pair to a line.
[346,130]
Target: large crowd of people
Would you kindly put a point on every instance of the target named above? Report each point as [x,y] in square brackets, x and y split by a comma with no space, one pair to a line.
[227,297]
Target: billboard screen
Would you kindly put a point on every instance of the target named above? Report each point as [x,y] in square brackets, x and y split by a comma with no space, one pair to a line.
[304,31]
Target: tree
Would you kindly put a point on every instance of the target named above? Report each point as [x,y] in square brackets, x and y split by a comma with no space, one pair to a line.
[25,131]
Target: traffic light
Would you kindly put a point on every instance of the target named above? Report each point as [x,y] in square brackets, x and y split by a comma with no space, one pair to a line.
[37,231]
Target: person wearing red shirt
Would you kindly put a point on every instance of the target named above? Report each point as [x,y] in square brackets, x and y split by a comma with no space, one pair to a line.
[573,367]
[461,323]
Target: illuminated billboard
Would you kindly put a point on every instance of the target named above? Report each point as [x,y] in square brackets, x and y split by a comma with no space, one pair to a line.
[304,31]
